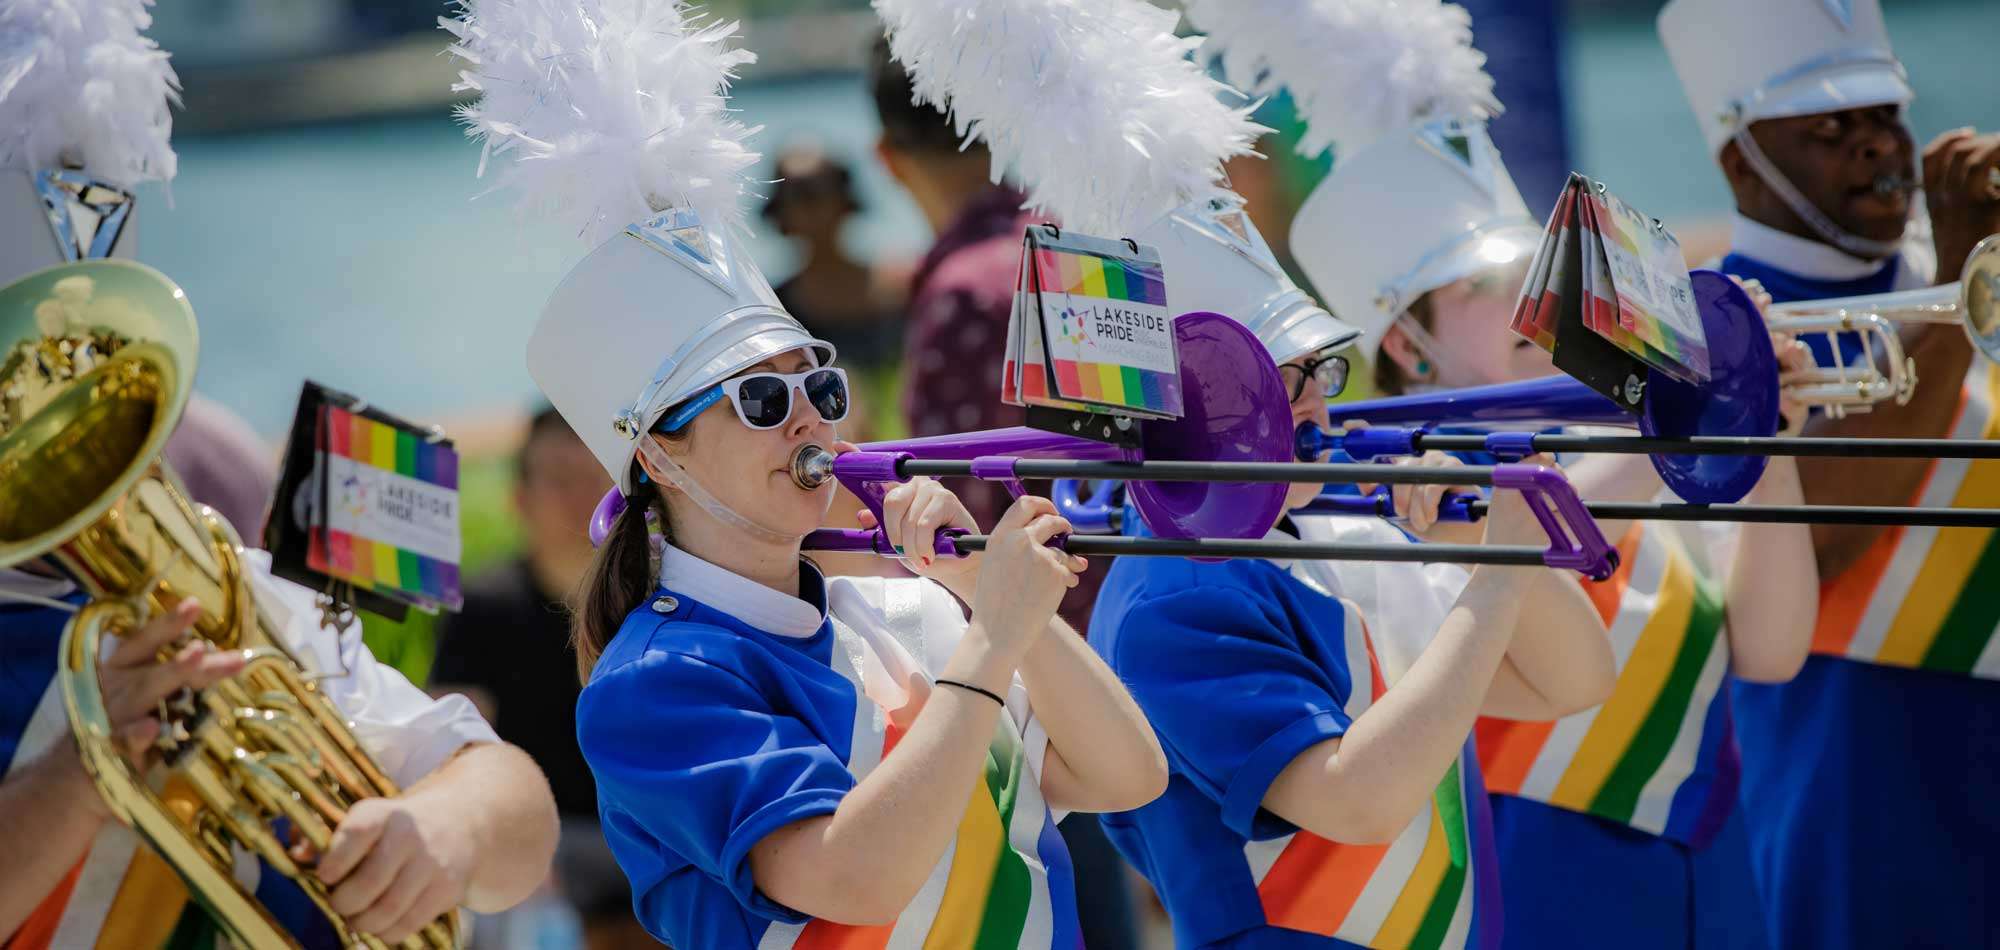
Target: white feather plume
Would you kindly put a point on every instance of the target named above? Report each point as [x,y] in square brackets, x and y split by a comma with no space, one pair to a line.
[80,84]
[605,111]
[1357,69]
[1094,104]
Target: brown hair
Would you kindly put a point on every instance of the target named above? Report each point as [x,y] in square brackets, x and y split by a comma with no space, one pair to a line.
[622,574]
[1389,378]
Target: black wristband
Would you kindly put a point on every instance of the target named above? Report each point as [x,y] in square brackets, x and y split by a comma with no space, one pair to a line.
[981,690]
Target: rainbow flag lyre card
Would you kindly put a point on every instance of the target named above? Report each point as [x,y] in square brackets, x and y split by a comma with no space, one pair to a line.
[366,509]
[390,522]
[1609,296]
[1105,328]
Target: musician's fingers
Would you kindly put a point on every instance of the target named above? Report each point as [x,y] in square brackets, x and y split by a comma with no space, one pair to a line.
[1971,165]
[1046,526]
[1957,171]
[865,518]
[1937,155]
[381,916]
[1426,514]
[896,514]
[1023,510]
[438,897]
[131,694]
[1983,174]
[934,509]
[142,646]
[952,512]
[353,841]
[138,736]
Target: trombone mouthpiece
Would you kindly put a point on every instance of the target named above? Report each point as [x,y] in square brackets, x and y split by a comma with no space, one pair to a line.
[812,466]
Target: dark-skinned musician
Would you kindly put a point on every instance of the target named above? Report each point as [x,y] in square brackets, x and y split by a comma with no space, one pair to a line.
[1868,779]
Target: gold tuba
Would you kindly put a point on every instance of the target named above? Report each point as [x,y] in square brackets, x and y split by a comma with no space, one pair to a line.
[99,363]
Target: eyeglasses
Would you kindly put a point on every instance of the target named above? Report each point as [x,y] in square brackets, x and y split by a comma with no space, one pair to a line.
[1329,369]
[764,400]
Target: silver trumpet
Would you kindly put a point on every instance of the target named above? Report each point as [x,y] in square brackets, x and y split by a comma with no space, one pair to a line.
[1883,371]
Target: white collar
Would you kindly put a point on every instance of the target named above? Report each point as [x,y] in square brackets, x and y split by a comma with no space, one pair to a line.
[32,585]
[1802,256]
[739,596]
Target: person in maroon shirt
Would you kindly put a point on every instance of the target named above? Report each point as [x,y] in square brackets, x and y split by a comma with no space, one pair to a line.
[954,343]
[955,337]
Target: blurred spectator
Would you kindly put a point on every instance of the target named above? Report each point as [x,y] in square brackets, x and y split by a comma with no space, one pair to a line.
[508,651]
[963,291]
[841,300]
[223,464]
[953,350]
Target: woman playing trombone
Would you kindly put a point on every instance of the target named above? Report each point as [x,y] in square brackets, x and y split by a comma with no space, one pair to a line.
[1629,804]
[783,759]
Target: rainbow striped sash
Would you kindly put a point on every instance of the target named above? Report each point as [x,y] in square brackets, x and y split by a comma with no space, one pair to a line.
[1420,891]
[1006,880]
[1655,755]
[1929,598]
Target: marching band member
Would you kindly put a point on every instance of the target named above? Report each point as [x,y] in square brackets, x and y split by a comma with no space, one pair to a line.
[1324,788]
[1867,780]
[1616,820]
[1307,800]
[783,758]
[474,826]
[1317,715]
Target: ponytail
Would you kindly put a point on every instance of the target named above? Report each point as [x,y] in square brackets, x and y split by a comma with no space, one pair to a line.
[620,577]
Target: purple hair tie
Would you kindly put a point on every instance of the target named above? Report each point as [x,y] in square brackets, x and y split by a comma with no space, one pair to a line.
[608,510]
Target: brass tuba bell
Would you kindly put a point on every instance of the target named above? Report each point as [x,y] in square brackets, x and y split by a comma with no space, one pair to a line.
[98,365]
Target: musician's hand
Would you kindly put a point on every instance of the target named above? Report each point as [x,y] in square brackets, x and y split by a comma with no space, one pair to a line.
[1021,578]
[1794,360]
[135,681]
[396,864]
[1758,295]
[1963,194]
[1509,520]
[1419,504]
[914,512]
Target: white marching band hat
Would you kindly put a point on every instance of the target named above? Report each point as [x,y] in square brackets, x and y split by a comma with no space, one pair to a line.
[1406,215]
[1143,132]
[645,153]
[1216,261]
[1418,196]
[1741,62]
[84,116]
[668,285]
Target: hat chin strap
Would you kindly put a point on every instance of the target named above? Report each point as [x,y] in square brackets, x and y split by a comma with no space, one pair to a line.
[680,479]
[1815,219]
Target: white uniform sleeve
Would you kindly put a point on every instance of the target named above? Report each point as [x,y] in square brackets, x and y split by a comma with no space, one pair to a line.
[409,733]
[927,622]
[1402,604]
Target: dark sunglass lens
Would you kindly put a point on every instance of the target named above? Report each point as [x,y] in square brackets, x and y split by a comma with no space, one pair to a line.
[827,392]
[766,401]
